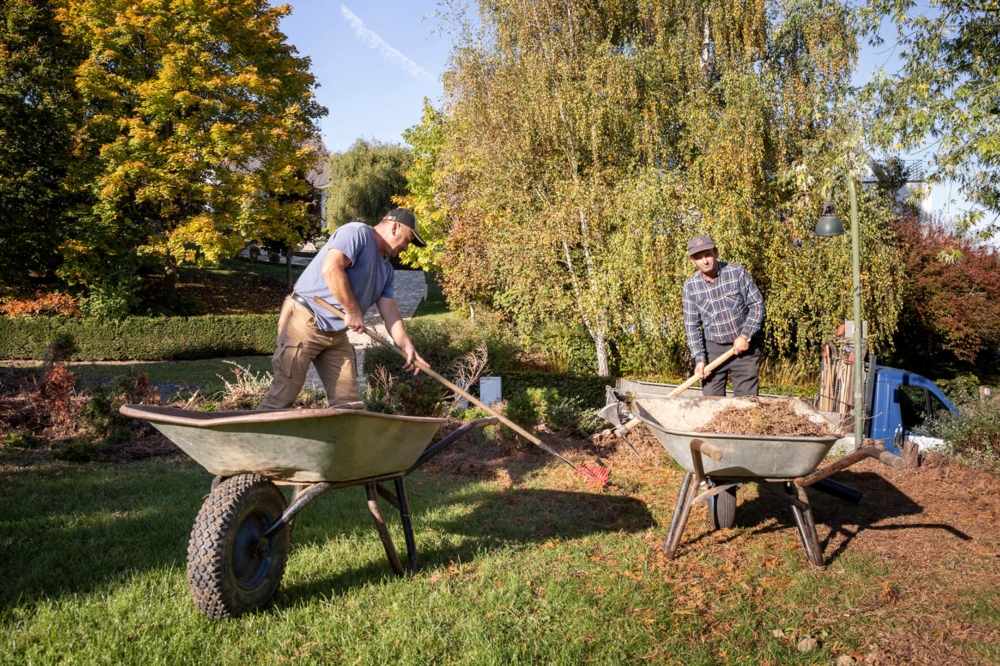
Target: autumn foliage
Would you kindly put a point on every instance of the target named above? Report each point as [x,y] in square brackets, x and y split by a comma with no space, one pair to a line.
[54,304]
[952,295]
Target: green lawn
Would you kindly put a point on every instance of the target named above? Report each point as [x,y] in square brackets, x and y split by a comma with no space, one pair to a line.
[435,306]
[546,571]
[188,373]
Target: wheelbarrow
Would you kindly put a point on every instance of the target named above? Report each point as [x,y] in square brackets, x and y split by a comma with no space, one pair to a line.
[240,540]
[783,465]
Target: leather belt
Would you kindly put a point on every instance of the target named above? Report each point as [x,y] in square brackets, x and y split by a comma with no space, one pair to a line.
[302,301]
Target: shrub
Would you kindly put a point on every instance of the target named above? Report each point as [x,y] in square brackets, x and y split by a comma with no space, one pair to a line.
[22,439]
[140,338]
[100,416]
[974,437]
[960,390]
[51,304]
[952,297]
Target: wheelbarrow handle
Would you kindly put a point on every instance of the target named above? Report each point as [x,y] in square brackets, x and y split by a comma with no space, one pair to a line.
[874,448]
[426,368]
[628,427]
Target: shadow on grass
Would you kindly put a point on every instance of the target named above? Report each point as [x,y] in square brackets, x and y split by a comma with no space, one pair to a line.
[67,529]
[881,501]
[514,518]
[73,529]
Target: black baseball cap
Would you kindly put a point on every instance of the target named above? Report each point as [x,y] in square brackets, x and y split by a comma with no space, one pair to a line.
[406,218]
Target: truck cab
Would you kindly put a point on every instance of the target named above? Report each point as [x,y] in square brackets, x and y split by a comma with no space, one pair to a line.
[899,406]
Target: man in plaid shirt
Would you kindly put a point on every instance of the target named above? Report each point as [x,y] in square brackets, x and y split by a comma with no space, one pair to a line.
[723,309]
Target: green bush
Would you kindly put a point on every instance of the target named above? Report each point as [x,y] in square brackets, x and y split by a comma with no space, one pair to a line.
[21,439]
[588,390]
[974,437]
[140,338]
[960,390]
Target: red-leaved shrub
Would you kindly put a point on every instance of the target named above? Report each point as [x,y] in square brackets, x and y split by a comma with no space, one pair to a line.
[54,304]
[951,300]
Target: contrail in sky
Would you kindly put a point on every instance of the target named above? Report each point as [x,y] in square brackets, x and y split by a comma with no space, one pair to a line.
[376,42]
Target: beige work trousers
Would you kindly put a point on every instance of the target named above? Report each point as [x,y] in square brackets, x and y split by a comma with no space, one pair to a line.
[301,342]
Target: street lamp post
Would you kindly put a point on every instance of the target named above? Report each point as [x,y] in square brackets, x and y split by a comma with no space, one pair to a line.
[829,224]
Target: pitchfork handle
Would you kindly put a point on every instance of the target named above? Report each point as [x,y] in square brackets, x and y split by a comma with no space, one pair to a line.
[625,429]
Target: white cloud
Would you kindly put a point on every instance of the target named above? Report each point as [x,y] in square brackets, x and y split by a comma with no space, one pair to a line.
[376,42]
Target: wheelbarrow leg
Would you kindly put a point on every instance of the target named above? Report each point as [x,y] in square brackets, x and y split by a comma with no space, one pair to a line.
[680,503]
[685,501]
[806,526]
[383,531]
[404,513]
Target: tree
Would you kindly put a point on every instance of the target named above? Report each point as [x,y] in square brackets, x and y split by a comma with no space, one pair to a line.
[426,141]
[363,180]
[945,92]
[196,121]
[952,296]
[588,141]
[37,112]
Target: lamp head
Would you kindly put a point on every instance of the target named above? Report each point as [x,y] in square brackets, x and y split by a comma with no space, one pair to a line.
[829,223]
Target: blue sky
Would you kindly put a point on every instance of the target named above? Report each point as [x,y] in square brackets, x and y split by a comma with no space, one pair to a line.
[376,61]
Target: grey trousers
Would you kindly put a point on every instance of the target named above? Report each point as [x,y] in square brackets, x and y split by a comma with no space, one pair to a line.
[742,370]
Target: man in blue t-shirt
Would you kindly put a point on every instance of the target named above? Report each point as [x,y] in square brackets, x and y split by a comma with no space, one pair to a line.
[351,272]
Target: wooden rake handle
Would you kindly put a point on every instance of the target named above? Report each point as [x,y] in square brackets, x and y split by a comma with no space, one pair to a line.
[628,427]
[426,368]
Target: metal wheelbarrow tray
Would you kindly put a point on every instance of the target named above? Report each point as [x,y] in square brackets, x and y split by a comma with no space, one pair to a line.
[240,541]
[723,462]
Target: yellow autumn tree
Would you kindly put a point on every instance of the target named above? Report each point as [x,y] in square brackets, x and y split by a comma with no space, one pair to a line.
[195,133]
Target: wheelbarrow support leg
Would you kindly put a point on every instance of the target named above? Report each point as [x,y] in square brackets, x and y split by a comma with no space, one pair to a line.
[802,512]
[383,531]
[404,513]
[698,449]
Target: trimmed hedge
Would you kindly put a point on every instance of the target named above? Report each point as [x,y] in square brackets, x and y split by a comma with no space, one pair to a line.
[588,389]
[141,338]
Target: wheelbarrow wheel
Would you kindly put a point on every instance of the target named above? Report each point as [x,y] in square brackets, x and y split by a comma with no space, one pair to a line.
[722,509]
[230,569]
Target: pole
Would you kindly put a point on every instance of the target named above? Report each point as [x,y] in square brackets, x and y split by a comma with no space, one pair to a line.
[859,401]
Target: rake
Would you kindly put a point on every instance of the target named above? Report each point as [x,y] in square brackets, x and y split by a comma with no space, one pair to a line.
[596,474]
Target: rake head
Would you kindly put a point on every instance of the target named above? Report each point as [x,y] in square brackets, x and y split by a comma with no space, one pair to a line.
[597,475]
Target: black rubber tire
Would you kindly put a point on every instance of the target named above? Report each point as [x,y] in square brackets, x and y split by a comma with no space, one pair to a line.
[226,574]
[722,509]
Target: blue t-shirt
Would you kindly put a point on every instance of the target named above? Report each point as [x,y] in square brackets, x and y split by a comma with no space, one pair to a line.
[370,274]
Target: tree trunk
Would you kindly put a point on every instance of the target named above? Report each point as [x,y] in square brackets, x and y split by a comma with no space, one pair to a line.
[170,279]
[603,369]
[288,270]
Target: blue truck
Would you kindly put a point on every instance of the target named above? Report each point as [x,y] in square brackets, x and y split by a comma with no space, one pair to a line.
[899,404]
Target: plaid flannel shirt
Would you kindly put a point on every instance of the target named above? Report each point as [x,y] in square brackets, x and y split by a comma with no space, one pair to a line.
[722,310]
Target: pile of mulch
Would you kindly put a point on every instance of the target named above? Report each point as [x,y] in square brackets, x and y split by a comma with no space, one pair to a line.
[764,418]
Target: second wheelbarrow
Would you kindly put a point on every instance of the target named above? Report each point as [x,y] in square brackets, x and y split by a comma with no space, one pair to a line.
[240,540]
[722,462]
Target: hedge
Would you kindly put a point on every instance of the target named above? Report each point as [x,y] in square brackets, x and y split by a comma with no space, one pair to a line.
[589,389]
[141,338]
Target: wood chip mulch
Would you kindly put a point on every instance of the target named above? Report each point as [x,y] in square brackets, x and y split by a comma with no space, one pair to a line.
[765,418]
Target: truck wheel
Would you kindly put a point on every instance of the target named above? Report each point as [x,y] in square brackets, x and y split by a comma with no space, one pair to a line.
[722,508]
[230,570]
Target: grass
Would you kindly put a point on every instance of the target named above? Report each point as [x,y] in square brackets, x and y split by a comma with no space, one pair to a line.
[187,373]
[543,572]
[435,306]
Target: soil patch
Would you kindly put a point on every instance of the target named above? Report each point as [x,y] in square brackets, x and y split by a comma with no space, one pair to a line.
[764,418]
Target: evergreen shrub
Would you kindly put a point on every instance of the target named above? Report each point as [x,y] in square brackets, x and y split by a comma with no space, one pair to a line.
[140,338]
